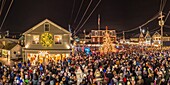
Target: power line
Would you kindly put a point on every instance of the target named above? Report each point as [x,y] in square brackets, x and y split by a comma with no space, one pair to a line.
[166,26]
[84,14]
[167,16]
[156,29]
[160,8]
[6,14]
[72,11]
[2,6]
[78,12]
[142,24]
[88,16]
[164,3]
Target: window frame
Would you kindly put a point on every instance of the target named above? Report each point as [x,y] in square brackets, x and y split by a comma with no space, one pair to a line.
[33,40]
[60,40]
[45,27]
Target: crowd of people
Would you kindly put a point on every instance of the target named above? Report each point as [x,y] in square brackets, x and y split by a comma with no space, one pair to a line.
[126,68]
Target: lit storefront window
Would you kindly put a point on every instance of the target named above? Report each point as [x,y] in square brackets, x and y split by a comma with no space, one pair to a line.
[44,56]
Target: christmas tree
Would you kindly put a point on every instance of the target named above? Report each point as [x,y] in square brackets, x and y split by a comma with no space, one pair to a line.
[107,45]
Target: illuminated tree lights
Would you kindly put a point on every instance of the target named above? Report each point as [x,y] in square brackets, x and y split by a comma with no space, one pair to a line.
[47,39]
[107,45]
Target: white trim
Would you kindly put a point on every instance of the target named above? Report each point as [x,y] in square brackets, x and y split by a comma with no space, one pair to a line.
[33,40]
[49,27]
[155,35]
[61,39]
[50,22]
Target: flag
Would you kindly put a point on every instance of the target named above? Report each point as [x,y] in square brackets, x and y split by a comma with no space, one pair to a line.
[98,20]
[69,28]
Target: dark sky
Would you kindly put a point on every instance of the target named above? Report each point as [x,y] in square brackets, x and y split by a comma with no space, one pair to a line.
[116,14]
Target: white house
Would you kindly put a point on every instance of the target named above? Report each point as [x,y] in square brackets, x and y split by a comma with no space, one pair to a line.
[46,41]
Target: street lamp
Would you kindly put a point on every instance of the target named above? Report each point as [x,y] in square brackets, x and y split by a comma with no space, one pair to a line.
[143,31]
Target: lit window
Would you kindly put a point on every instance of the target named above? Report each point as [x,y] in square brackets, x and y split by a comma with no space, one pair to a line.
[96,33]
[93,39]
[22,42]
[98,39]
[46,27]
[35,39]
[57,39]
[93,33]
[103,33]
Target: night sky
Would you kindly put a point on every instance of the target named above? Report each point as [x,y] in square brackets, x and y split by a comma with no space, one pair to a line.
[116,14]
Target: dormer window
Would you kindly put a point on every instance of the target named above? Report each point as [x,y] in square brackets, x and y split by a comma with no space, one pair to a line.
[46,27]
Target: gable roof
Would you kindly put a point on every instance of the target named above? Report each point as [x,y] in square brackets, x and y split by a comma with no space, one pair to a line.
[9,39]
[147,35]
[156,34]
[141,35]
[44,21]
[10,46]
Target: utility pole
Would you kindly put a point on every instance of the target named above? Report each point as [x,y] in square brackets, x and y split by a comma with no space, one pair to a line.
[161,24]
[123,37]
[99,29]
[84,31]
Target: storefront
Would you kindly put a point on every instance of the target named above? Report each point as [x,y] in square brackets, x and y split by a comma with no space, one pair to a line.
[5,53]
[45,56]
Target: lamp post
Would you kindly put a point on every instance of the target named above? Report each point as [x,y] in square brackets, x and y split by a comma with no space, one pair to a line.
[123,37]
[143,31]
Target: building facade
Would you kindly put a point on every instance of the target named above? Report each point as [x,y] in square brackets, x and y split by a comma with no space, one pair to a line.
[10,49]
[46,41]
[148,39]
[97,35]
[141,39]
[156,38]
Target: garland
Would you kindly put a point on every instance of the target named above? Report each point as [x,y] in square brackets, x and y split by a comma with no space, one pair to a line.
[47,39]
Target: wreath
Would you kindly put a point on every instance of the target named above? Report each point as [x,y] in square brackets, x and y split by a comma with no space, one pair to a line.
[47,39]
